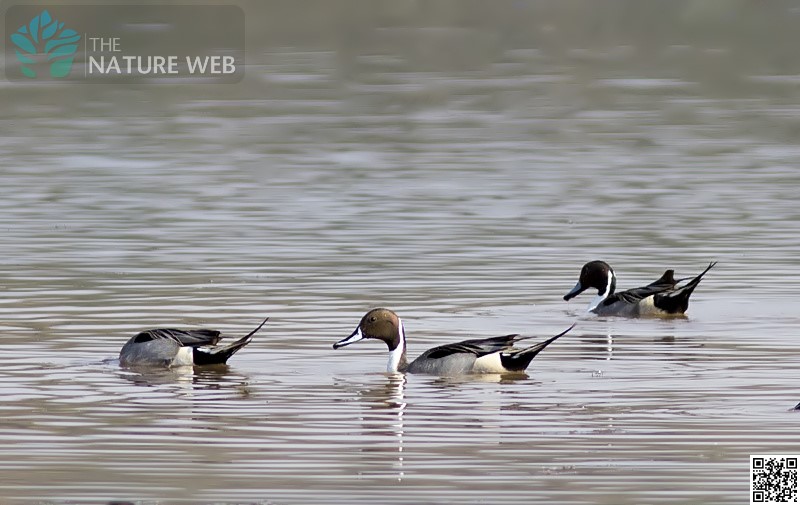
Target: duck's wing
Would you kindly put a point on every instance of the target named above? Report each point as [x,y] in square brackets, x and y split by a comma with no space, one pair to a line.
[637,294]
[663,284]
[190,338]
[477,347]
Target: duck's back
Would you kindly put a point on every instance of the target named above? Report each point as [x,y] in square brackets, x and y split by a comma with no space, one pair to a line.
[161,346]
[459,358]
[451,364]
[159,352]
[620,307]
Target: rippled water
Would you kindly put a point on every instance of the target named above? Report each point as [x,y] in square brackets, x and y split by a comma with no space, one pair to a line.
[466,199]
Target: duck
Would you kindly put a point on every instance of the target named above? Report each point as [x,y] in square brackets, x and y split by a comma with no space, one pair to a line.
[168,347]
[495,355]
[662,297]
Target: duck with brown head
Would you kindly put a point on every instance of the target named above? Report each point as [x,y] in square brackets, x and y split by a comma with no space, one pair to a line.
[490,355]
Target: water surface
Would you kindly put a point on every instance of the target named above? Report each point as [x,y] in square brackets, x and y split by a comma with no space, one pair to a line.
[416,160]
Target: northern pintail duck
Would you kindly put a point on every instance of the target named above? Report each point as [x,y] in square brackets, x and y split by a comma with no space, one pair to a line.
[489,355]
[169,347]
[662,297]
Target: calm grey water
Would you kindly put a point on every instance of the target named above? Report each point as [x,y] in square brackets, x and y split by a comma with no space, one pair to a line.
[458,164]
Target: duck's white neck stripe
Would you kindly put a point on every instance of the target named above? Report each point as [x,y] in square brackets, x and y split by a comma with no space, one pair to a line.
[599,298]
[397,354]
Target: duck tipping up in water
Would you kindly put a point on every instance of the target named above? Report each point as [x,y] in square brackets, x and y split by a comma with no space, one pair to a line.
[660,298]
[490,355]
[169,347]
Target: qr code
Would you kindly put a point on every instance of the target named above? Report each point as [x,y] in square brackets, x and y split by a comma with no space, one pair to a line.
[773,479]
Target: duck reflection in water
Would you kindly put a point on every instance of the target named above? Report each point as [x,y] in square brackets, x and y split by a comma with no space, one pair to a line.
[383,417]
[189,380]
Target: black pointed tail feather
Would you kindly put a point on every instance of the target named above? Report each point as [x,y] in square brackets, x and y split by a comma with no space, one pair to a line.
[518,360]
[677,302]
[220,354]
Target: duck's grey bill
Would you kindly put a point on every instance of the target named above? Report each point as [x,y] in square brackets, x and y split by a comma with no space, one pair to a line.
[578,289]
[353,338]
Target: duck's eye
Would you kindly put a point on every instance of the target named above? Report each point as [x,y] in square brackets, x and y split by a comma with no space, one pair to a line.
[372,319]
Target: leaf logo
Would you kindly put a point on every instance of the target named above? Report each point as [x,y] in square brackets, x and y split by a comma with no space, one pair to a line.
[45,42]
